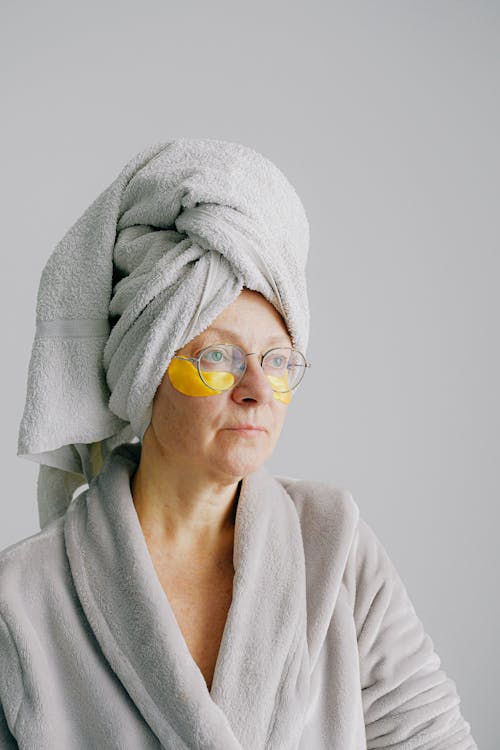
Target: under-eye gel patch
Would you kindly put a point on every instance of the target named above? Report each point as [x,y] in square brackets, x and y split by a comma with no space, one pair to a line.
[184,377]
[282,383]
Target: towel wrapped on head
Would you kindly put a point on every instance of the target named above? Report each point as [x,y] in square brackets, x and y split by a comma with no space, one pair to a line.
[150,264]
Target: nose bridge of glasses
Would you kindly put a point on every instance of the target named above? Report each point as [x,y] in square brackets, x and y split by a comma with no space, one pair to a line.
[249,354]
[279,389]
[260,360]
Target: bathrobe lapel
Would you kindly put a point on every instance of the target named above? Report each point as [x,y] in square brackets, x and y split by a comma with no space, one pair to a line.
[260,686]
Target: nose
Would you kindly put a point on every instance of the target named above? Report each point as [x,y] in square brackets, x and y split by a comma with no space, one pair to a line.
[254,384]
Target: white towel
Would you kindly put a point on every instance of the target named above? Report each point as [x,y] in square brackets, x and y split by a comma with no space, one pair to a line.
[147,267]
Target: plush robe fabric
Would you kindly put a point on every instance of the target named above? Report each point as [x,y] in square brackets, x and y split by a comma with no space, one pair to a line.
[322,647]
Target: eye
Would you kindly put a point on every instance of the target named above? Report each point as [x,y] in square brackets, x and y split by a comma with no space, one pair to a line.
[215,355]
[277,361]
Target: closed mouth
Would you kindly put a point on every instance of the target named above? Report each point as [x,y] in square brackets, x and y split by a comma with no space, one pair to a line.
[247,428]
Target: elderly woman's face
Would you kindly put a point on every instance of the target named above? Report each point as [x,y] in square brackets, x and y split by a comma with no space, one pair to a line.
[199,431]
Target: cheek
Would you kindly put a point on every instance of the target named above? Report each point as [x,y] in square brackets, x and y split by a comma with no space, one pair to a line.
[279,410]
[177,408]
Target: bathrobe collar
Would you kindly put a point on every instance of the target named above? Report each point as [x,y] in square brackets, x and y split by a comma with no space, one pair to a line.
[260,686]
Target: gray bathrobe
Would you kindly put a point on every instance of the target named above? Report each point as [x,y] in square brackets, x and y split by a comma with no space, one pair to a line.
[322,647]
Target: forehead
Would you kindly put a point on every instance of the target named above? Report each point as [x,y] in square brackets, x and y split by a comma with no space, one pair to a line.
[221,335]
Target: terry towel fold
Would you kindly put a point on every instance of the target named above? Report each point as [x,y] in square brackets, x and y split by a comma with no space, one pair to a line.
[149,265]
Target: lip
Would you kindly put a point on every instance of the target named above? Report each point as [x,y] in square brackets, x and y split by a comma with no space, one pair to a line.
[247,428]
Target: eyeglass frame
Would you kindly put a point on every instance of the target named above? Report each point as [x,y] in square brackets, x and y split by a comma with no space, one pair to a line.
[246,354]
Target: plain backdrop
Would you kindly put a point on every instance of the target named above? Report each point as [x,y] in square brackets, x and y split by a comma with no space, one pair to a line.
[386,118]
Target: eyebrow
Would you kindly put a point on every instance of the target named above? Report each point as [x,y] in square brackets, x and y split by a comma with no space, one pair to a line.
[234,336]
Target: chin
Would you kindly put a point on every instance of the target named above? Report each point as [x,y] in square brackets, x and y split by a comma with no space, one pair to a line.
[240,466]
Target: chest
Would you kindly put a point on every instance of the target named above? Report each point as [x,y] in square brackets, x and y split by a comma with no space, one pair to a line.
[200,602]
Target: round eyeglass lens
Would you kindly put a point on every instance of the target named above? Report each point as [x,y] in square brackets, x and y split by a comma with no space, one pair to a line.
[222,365]
[284,368]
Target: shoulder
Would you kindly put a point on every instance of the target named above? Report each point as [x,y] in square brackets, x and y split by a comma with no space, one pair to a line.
[338,541]
[326,505]
[331,521]
[329,518]
[30,564]
[319,502]
[29,571]
[37,546]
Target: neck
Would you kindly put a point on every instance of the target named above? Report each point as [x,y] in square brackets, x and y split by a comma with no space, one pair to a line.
[181,506]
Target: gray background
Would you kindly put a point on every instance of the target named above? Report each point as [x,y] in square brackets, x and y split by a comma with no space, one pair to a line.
[386,118]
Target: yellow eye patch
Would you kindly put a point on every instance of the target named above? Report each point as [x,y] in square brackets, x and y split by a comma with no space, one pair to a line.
[276,382]
[184,377]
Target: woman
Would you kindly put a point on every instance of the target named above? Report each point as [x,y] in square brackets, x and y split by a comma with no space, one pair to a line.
[188,598]
[194,454]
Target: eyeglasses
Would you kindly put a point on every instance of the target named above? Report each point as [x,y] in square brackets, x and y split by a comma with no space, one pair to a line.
[222,366]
